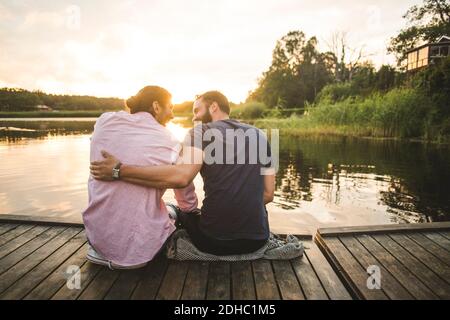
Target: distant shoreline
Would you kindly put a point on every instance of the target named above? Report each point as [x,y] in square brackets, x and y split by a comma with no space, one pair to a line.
[50,114]
[61,114]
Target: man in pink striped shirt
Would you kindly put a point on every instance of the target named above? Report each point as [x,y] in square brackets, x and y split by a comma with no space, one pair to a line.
[127,224]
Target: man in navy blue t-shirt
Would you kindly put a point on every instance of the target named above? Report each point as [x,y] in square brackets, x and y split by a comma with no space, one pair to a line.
[235,163]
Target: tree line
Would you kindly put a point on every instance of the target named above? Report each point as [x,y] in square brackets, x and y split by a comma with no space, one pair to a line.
[14,99]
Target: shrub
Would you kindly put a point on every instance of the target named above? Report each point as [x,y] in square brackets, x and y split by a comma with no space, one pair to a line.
[249,110]
[398,113]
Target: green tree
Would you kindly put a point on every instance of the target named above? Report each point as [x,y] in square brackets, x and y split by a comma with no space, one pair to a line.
[426,22]
[363,78]
[297,73]
[386,78]
[12,99]
[434,82]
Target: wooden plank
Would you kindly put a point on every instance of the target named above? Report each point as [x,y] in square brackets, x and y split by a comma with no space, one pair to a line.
[18,270]
[5,227]
[446,234]
[13,239]
[439,239]
[421,271]
[287,280]
[39,220]
[88,272]
[265,283]
[308,279]
[58,278]
[149,284]
[433,263]
[219,281]
[100,285]
[391,287]
[196,281]
[242,284]
[173,282]
[351,271]
[330,281]
[25,284]
[329,232]
[414,286]
[124,286]
[431,246]
[14,257]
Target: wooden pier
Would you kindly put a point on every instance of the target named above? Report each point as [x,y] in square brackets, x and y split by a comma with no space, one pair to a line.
[35,254]
[412,259]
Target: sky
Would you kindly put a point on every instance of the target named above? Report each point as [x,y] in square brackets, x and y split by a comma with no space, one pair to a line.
[114,48]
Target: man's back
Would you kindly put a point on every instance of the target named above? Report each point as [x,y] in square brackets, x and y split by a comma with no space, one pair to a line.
[128,223]
[233,207]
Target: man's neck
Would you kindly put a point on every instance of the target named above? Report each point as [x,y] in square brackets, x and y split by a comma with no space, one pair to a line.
[219,117]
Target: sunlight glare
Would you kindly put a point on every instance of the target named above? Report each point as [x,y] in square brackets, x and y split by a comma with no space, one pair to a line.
[177,130]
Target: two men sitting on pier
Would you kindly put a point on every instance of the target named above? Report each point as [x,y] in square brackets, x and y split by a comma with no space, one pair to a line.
[127,221]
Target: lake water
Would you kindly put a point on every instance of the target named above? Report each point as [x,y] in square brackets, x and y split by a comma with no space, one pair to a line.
[322,181]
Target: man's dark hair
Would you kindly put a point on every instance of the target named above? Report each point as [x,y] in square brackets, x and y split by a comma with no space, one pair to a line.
[143,100]
[215,96]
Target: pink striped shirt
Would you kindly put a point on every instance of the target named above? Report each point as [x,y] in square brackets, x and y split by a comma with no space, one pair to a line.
[126,223]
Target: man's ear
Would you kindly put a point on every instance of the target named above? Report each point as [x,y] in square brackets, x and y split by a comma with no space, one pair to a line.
[156,107]
[214,106]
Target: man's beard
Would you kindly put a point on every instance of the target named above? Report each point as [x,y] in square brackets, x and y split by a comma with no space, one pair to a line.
[206,118]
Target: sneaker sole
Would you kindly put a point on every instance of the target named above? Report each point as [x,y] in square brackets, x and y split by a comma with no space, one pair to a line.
[112,265]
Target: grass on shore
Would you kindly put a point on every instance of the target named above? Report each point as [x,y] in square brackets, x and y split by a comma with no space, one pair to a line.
[301,126]
[398,114]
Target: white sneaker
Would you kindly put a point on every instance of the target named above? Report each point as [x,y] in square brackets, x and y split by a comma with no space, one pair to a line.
[172,211]
[94,257]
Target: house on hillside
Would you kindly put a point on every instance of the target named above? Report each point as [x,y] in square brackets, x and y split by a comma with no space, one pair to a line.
[428,54]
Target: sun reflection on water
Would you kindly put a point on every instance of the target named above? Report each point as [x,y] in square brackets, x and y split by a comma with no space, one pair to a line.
[177,130]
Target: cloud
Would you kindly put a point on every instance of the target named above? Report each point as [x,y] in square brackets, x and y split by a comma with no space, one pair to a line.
[115,47]
[43,20]
[5,13]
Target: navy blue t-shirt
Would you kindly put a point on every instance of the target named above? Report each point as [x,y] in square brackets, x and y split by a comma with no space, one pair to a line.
[235,153]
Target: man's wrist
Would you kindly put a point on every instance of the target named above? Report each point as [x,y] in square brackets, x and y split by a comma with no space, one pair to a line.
[116,171]
[123,171]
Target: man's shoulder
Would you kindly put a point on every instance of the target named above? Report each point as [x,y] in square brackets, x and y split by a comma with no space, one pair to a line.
[246,127]
[105,116]
[102,119]
[198,128]
[229,124]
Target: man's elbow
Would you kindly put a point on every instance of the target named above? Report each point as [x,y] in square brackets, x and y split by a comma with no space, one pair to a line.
[268,197]
[181,181]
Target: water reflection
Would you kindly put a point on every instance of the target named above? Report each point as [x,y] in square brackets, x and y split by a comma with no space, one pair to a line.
[44,176]
[15,129]
[321,181]
[408,182]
